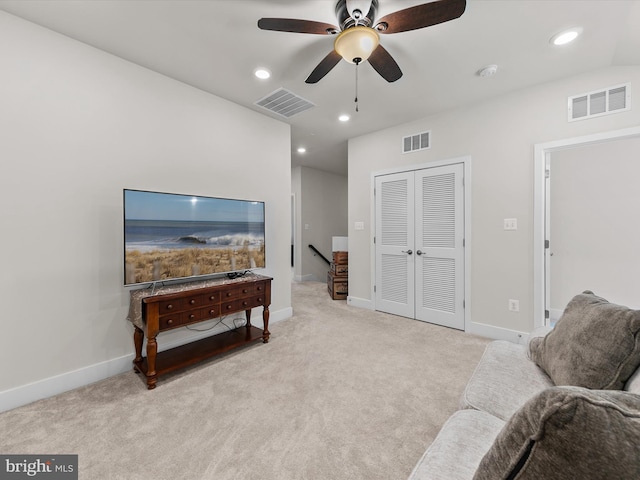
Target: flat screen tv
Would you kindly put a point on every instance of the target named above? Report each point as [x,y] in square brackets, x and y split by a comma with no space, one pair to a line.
[170,236]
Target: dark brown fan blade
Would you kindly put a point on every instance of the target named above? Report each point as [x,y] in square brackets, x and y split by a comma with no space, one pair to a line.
[324,67]
[383,63]
[421,16]
[297,26]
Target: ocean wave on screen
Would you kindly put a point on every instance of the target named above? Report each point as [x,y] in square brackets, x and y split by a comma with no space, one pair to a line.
[238,240]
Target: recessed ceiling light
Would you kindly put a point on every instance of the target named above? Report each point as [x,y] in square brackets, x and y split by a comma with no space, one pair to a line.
[262,73]
[488,71]
[566,36]
[302,150]
[344,118]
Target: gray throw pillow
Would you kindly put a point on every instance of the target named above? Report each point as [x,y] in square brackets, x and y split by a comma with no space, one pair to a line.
[568,433]
[595,344]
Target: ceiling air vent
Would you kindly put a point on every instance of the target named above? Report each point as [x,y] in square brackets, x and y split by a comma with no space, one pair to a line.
[600,102]
[418,141]
[285,103]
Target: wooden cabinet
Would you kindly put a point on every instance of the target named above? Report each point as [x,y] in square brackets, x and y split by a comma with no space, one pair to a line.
[165,310]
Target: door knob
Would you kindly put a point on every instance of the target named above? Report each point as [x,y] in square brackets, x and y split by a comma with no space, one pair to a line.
[419,252]
[408,252]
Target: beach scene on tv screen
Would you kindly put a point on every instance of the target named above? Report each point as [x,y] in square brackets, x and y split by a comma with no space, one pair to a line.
[169,236]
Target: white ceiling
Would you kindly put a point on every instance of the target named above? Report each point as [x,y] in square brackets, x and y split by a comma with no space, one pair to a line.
[215,45]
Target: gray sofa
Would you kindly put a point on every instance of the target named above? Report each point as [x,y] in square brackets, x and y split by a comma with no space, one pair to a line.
[564,406]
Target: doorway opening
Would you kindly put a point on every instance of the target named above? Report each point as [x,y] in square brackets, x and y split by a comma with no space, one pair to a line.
[543,245]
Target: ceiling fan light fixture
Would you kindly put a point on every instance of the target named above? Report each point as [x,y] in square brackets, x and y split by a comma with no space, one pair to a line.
[356,44]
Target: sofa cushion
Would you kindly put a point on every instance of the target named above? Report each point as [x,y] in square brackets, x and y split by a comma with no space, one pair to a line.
[460,445]
[568,433]
[503,381]
[595,344]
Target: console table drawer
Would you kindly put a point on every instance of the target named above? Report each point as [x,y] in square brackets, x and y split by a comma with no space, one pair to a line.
[242,304]
[212,311]
[231,307]
[170,306]
[211,298]
[253,302]
[192,302]
[172,321]
[239,292]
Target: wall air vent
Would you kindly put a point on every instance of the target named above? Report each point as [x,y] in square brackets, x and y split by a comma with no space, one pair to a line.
[418,141]
[600,102]
[285,103]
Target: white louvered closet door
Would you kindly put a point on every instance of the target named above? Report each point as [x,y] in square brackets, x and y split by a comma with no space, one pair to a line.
[419,245]
[395,287]
[439,249]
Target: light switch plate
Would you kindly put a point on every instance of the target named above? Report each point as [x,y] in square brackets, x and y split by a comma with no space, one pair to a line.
[359,225]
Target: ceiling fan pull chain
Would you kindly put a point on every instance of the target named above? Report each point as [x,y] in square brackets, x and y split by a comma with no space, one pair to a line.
[356,99]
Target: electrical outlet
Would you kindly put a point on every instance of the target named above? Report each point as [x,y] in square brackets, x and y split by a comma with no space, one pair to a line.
[514,305]
[511,224]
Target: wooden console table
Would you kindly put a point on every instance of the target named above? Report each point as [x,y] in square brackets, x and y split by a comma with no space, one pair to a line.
[179,305]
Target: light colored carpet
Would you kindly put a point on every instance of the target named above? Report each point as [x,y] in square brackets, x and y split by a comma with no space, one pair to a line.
[338,393]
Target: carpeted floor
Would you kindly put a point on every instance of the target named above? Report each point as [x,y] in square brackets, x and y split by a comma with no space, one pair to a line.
[338,393]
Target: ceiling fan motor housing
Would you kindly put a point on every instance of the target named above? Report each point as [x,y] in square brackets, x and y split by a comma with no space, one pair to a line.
[346,21]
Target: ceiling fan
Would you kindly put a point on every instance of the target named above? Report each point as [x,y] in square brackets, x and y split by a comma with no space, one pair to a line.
[358,34]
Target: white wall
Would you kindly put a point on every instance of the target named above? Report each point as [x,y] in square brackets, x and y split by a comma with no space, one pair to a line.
[500,136]
[595,201]
[322,214]
[79,125]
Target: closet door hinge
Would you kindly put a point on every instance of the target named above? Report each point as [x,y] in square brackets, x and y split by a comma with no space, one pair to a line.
[546,314]
[546,244]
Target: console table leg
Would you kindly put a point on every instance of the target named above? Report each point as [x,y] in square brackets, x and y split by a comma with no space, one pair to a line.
[138,337]
[265,319]
[152,351]
[248,314]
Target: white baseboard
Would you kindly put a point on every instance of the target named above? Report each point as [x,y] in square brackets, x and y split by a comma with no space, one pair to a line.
[481,329]
[280,315]
[497,333]
[48,387]
[359,302]
[304,278]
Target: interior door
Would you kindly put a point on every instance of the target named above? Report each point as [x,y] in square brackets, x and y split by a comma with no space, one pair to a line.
[395,267]
[420,244]
[439,245]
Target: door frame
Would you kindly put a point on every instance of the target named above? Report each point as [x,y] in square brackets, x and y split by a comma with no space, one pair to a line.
[466,162]
[542,155]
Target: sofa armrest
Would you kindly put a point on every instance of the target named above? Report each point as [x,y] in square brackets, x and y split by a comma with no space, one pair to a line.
[536,333]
